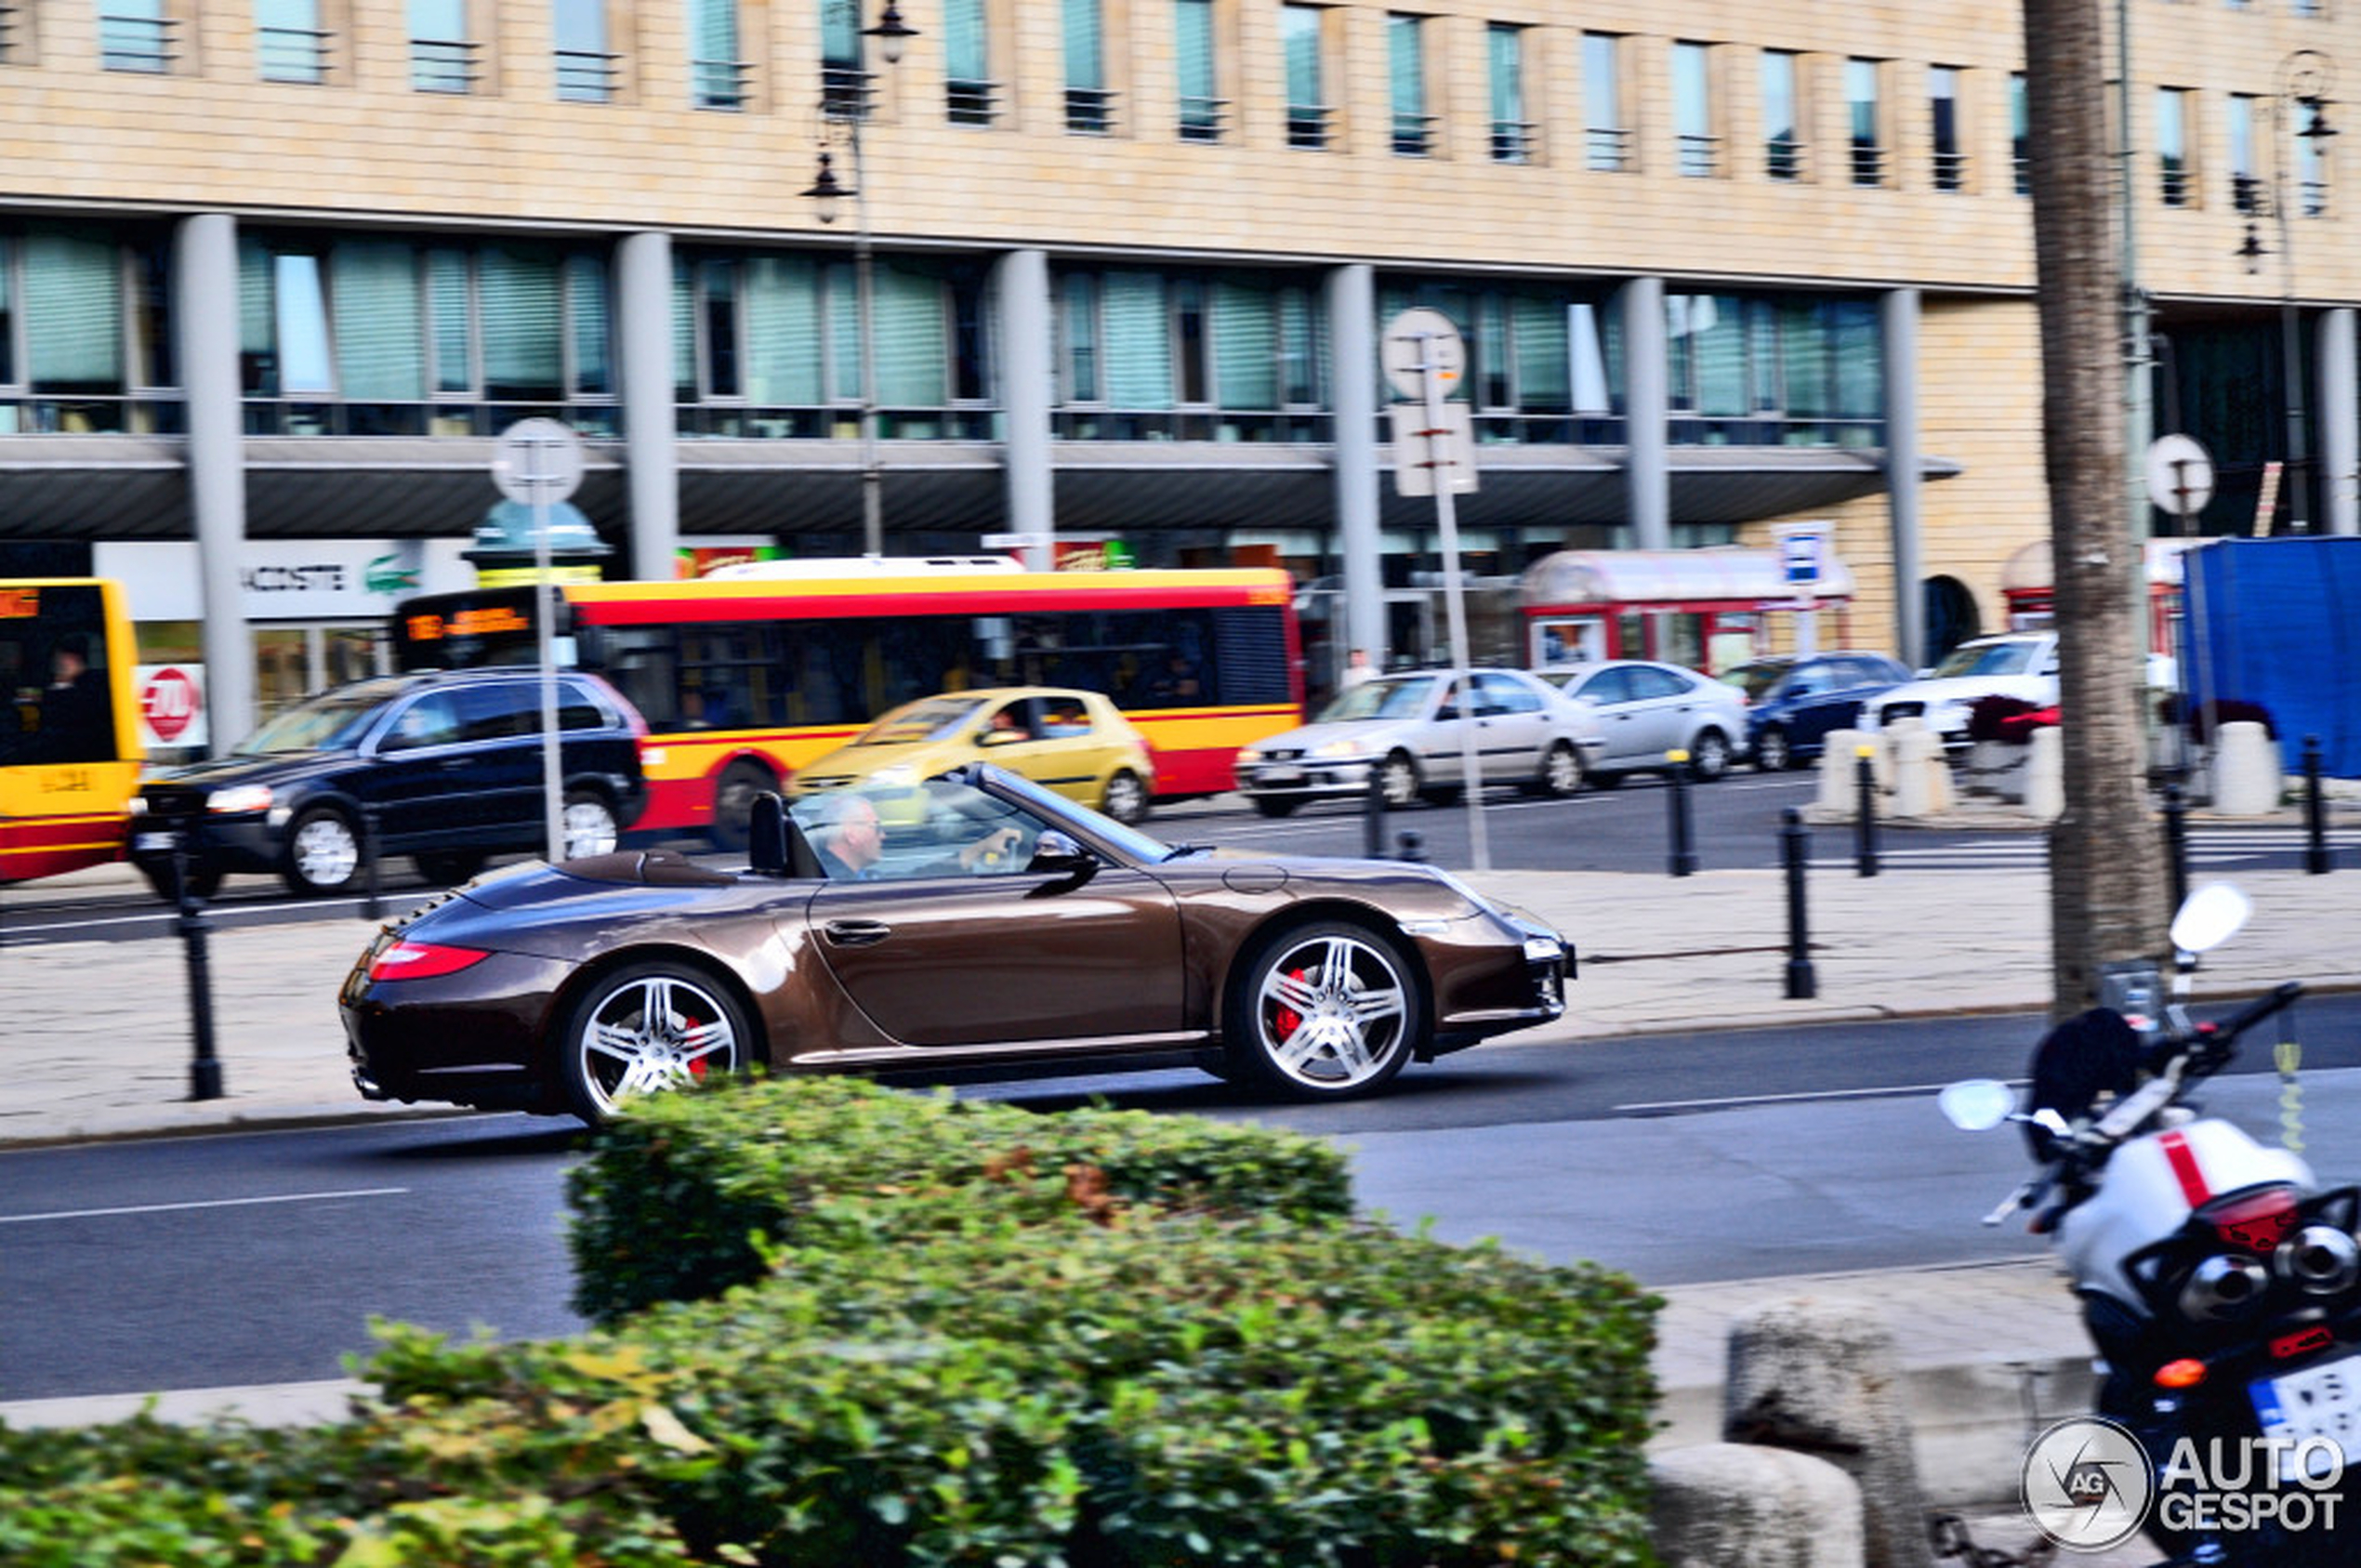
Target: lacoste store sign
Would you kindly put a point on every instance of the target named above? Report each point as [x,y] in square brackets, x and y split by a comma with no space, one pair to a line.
[288,579]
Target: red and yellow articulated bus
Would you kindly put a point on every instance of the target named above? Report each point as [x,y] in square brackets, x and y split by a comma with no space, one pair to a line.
[747,674]
[70,752]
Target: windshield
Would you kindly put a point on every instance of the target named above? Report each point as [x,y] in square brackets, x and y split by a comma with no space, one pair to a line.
[1756,678]
[926,720]
[332,721]
[1130,840]
[1985,658]
[1393,697]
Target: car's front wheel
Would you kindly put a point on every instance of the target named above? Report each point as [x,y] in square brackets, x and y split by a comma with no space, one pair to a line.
[588,826]
[1710,755]
[644,1029]
[1398,776]
[323,854]
[1771,752]
[1561,772]
[1127,798]
[1325,1011]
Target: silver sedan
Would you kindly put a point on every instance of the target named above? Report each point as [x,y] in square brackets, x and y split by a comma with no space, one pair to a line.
[1651,710]
[1411,727]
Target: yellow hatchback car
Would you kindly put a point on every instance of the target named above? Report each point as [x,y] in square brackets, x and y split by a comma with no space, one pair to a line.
[1075,743]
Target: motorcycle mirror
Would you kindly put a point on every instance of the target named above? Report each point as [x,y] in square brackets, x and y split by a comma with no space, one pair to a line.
[1976,1104]
[2211,917]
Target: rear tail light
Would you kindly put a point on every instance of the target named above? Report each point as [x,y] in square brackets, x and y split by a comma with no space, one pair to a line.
[423,961]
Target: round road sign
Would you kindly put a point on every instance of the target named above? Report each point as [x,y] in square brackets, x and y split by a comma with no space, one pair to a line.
[1417,341]
[2180,475]
[537,462]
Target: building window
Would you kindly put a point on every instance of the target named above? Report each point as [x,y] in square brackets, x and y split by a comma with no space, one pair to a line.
[2245,190]
[1406,73]
[967,87]
[844,68]
[1307,104]
[2172,146]
[718,71]
[2020,136]
[84,333]
[289,42]
[1089,103]
[586,69]
[136,35]
[1772,370]
[1225,355]
[1862,117]
[442,53]
[1607,140]
[1782,119]
[11,19]
[1693,110]
[1196,70]
[1543,363]
[1950,158]
[1511,130]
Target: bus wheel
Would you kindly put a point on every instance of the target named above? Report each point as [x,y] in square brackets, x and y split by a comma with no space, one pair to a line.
[733,804]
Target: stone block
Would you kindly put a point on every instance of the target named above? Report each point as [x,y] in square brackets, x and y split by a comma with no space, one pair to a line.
[1728,1504]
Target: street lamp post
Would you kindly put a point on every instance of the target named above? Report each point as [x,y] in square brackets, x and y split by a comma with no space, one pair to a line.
[2304,78]
[827,192]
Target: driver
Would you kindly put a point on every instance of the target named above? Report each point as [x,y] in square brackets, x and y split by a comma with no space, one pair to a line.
[850,844]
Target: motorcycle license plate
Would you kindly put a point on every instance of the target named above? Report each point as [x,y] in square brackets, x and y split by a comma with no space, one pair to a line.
[2319,1402]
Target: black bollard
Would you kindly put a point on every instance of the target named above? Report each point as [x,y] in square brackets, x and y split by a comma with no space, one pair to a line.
[1795,852]
[1865,819]
[1685,855]
[2176,843]
[372,907]
[1373,813]
[2315,839]
[204,1069]
[1412,845]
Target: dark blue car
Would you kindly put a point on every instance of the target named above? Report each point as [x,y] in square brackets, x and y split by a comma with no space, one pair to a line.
[1794,700]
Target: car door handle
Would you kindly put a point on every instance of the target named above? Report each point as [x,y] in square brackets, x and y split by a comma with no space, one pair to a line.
[857,933]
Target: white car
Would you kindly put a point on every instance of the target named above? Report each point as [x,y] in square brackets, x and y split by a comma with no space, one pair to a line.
[1408,726]
[2021,664]
[1649,710]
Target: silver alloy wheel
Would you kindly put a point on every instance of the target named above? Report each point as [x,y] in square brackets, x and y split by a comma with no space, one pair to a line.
[587,827]
[1709,758]
[1127,798]
[1560,770]
[646,1030]
[1772,753]
[1331,1010]
[1399,777]
[323,853]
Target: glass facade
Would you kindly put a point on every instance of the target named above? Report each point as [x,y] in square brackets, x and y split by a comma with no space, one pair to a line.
[1773,370]
[85,342]
[1406,78]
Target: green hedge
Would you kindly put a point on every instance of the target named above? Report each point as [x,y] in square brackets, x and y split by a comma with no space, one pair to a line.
[692,1193]
[956,1350]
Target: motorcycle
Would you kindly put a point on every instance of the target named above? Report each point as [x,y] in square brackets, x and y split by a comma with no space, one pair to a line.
[2219,1285]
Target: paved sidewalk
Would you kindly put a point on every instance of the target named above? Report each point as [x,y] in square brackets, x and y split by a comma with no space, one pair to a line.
[99,1046]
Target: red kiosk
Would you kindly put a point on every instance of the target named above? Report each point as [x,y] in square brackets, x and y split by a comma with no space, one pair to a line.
[1709,609]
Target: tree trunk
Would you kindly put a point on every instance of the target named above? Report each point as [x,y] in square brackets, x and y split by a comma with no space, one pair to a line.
[2106,871]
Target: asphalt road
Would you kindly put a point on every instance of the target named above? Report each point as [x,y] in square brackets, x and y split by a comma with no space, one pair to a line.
[261,1257]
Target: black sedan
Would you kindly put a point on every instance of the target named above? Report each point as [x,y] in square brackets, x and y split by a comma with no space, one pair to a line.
[1009,928]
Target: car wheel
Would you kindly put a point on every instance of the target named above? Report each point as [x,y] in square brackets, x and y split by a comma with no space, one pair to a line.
[1126,798]
[1276,805]
[323,854]
[733,804]
[448,866]
[1709,755]
[1772,753]
[588,826]
[1398,776]
[203,880]
[646,1028]
[1325,1011]
[1561,772]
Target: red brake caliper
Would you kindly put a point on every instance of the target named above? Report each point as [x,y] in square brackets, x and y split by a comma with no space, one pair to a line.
[1287,1020]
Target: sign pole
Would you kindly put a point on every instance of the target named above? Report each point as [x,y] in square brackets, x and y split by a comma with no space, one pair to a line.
[539,462]
[1447,523]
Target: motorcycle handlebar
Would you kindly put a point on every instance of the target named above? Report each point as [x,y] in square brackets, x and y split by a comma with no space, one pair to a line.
[2254,1013]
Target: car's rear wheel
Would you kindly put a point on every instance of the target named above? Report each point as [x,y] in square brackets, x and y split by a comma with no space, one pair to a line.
[1127,798]
[733,803]
[1771,752]
[203,880]
[646,1028]
[1325,1011]
[1398,776]
[448,866]
[1561,772]
[1709,755]
[1276,805]
[323,854]
[588,826]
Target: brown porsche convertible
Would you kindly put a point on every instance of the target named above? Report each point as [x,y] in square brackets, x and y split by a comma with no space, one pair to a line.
[1008,927]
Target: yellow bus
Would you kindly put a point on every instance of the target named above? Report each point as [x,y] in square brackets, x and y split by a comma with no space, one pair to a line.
[70,750]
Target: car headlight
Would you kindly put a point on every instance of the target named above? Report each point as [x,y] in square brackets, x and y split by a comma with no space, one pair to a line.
[1339,749]
[238,800]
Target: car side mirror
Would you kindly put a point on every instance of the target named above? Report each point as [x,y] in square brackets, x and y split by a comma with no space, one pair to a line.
[1058,854]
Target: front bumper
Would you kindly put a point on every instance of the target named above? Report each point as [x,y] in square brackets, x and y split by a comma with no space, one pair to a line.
[1306,778]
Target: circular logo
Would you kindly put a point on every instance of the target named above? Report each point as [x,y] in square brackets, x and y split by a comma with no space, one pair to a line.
[2088,1484]
[169,700]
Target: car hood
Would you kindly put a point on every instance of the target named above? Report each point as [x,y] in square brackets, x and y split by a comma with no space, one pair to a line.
[277,768]
[1366,735]
[923,758]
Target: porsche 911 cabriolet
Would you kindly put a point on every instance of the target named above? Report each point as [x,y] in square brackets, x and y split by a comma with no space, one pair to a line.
[1012,928]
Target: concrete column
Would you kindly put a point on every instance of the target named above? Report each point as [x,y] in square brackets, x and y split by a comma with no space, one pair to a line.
[1352,328]
[1021,282]
[205,318]
[1898,321]
[1647,476]
[2339,424]
[650,421]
